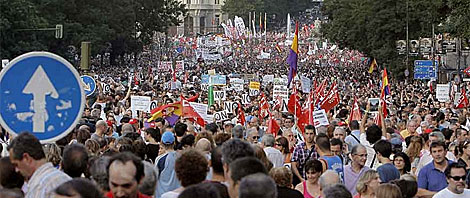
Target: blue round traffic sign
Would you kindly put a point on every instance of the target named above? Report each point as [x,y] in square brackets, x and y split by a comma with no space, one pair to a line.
[89,84]
[41,93]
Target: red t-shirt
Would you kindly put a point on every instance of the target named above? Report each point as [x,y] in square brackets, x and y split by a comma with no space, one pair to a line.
[139,195]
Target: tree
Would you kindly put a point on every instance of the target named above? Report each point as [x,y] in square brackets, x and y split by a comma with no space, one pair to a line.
[373,26]
[459,17]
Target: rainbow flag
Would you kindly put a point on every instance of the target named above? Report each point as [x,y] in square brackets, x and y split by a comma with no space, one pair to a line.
[293,55]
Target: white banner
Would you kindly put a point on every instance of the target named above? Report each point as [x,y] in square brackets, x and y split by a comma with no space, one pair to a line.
[253,92]
[152,106]
[268,78]
[442,92]
[139,103]
[200,108]
[306,84]
[230,107]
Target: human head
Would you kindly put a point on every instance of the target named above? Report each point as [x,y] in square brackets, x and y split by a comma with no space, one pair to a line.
[388,190]
[282,176]
[411,126]
[408,188]
[212,127]
[237,132]
[9,178]
[373,134]
[126,171]
[216,161]
[310,133]
[313,169]
[168,139]
[456,176]
[438,151]
[153,133]
[75,160]
[252,136]
[53,153]
[206,190]
[25,153]
[368,181]
[336,146]
[250,186]
[328,178]
[322,142]
[101,127]
[244,166]
[354,125]
[359,155]
[99,172]
[191,167]
[203,145]
[402,162]
[339,133]
[78,187]
[149,182]
[436,137]
[180,129]
[383,148]
[289,135]
[268,140]
[282,144]
[337,191]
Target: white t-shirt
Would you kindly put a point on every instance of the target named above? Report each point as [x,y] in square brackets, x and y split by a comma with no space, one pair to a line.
[446,193]
[370,152]
[171,194]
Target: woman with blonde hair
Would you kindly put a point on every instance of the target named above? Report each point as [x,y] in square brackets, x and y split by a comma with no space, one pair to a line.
[414,151]
[367,184]
[388,191]
[53,153]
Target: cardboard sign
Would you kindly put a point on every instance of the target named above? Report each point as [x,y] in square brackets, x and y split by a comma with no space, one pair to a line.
[230,107]
[152,106]
[268,78]
[442,92]
[246,99]
[140,103]
[306,84]
[254,85]
[221,116]
[106,88]
[219,95]
[254,92]
[320,118]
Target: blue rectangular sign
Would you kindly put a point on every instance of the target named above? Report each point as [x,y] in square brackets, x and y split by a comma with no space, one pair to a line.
[425,70]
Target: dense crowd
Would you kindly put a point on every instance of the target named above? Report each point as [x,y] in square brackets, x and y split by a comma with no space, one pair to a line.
[418,148]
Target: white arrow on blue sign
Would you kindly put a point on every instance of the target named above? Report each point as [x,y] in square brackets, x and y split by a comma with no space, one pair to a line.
[40,92]
[89,84]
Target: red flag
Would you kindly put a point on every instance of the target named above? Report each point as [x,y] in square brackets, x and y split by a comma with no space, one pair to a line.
[263,107]
[273,126]
[136,82]
[355,113]
[320,92]
[293,106]
[463,100]
[192,99]
[311,107]
[278,103]
[467,71]
[189,112]
[331,99]
[241,115]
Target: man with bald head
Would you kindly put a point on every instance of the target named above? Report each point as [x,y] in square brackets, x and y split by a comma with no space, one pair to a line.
[356,169]
[101,129]
[126,172]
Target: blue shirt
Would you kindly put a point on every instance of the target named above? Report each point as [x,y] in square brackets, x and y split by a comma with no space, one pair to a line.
[334,163]
[351,141]
[431,178]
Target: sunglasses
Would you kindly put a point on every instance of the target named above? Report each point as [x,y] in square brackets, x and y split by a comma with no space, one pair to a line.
[458,178]
[255,137]
[278,144]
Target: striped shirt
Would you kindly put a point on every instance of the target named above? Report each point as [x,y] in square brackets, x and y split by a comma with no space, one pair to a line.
[44,181]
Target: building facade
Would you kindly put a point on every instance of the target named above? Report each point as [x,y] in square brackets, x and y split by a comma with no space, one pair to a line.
[204,16]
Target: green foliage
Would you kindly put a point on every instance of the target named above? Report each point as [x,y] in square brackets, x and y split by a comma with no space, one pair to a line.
[110,25]
[458,23]
[373,26]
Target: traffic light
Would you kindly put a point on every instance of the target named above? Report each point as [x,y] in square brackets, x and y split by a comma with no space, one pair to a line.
[59,31]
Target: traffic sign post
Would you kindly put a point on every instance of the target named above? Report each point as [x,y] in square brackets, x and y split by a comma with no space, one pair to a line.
[89,84]
[40,92]
[424,69]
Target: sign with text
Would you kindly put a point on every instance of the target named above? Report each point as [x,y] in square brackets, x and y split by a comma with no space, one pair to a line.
[237,84]
[200,108]
[214,79]
[230,107]
[442,92]
[320,118]
[220,116]
[254,92]
[246,99]
[140,103]
[254,85]
[306,84]
[166,66]
[219,95]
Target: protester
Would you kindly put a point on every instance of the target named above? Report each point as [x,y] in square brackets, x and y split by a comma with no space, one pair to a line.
[165,166]
[78,187]
[126,172]
[27,156]
[274,155]
[75,160]
[9,178]
[310,187]
[354,171]
[388,191]
[387,171]
[401,161]
[283,178]
[367,184]
[337,191]
[431,178]
[327,179]
[244,166]
[250,186]
[456,175]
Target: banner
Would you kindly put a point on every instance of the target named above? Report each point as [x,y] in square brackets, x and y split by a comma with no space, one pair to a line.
[246,99]
[253,92]
[280,89]
[237,84]
[254,85]
[268,78]
[219,95]
[214,79]
[230,107]
[165,66]
[200,108]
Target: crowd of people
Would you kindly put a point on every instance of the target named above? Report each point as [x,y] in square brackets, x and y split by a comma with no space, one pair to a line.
[419,148]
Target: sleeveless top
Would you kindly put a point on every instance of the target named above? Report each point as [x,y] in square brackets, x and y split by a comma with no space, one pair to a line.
[306,194]
[334,163]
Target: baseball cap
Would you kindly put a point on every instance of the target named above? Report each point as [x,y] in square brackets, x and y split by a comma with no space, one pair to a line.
[168,138]
[396,141]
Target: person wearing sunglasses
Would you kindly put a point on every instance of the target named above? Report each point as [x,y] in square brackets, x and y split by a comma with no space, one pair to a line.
[464,150]
[455,174]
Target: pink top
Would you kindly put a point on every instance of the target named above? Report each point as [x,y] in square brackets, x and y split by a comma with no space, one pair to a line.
[306,194]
